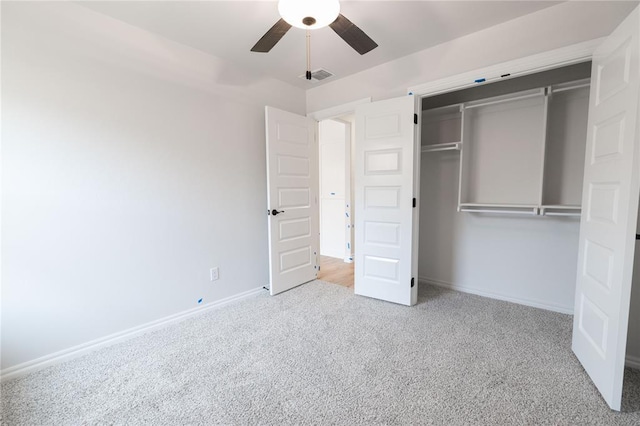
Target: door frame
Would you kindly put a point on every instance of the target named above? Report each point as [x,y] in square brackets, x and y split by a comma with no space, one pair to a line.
[334,113]
[338,110]
[557,58]
[347,254]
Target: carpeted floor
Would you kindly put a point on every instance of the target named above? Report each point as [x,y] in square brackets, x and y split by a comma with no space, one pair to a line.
[320,355]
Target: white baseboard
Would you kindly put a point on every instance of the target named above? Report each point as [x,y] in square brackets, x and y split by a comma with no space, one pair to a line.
[84,348]
[633,362]
[478,292]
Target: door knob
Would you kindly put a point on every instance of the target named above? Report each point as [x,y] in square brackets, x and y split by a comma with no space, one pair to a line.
[276,212]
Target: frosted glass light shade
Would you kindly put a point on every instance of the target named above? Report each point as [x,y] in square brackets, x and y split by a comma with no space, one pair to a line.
[323,11]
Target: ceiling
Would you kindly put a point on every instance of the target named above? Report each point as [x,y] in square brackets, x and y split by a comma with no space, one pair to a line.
[228,30]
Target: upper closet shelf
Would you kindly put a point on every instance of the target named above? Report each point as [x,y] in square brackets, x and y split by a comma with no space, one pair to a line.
[442,129]
[506,98]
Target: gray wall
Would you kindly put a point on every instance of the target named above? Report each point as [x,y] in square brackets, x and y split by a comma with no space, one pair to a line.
[129,168]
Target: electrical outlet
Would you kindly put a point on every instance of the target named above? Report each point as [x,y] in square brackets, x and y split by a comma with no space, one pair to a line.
[215,273]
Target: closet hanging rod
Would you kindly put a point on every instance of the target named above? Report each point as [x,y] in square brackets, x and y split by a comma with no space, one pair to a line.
[504,206]
[533,212]
[499,101]
[561,214]
[452,147]
[564,89]
[561,207]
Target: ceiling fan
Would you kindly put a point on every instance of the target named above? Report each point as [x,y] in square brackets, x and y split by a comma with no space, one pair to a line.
[311,15]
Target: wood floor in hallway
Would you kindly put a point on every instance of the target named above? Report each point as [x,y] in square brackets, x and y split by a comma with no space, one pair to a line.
[336,271]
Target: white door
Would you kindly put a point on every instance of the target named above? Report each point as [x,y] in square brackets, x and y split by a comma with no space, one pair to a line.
[292,199]
[610,208]
[385,186]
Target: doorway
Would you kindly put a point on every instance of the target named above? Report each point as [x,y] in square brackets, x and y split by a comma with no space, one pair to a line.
[335,137]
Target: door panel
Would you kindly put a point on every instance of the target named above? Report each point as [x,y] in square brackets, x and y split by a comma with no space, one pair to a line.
[291,189]
[610,208]
[384,189]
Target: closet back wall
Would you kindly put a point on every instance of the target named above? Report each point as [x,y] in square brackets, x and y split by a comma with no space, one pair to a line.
[530,260]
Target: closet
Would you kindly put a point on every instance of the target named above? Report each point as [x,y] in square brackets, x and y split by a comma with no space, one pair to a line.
[502,167]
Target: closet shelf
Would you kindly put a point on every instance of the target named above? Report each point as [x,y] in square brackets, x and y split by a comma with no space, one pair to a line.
[519,209]
[449,146]
[507,98]
[443,110]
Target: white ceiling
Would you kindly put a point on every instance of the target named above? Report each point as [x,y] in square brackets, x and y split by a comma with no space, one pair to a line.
[228,30]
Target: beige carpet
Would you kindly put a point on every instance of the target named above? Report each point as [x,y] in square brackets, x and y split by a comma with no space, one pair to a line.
[320,355]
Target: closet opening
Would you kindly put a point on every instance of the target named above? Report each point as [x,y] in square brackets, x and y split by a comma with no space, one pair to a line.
[501,187]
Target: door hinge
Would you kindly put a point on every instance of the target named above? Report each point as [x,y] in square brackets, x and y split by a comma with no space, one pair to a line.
[414,203]
[415,118]
[413,282]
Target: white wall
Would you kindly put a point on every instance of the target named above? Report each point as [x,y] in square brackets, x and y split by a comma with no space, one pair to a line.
[551,28]
[333,188]
[129,168]
[528,260]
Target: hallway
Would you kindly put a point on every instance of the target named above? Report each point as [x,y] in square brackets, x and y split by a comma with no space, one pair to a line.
[336,271]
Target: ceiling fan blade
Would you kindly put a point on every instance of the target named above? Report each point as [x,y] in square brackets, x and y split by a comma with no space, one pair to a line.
[353,35]
[271,37]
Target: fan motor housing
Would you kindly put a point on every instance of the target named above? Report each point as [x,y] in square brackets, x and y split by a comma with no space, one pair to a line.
[309,20]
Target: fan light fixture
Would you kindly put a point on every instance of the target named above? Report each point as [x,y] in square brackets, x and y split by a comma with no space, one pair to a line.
[309,14]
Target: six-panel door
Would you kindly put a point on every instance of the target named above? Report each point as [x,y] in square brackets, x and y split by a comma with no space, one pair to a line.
[292,192]
[610,207]
[384,190]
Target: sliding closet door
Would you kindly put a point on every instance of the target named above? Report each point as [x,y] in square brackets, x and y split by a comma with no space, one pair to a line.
[385,187]
[610,208]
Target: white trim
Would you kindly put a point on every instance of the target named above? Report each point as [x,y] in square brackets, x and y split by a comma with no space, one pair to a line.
[498,296]
[84,348]
[338,110]
[633,362]
[556,58]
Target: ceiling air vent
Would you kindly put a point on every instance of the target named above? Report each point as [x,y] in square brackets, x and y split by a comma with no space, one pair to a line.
[318,75]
